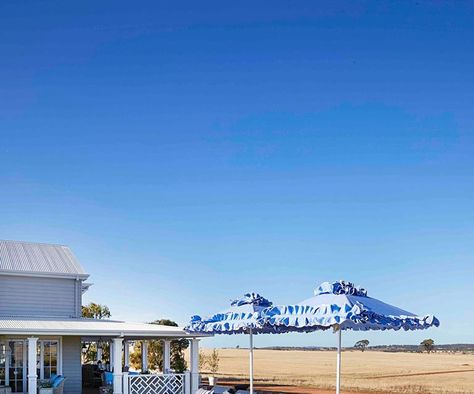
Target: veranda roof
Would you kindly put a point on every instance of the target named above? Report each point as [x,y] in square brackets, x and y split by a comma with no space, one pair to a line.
[91,328]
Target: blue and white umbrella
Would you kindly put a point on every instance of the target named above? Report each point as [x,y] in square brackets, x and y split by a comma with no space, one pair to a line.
[245,316]
[342,306]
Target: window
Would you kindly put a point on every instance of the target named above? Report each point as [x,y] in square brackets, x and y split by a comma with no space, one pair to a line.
[13,362]
[47,358]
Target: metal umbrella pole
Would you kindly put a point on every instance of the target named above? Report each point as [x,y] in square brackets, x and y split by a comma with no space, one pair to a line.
[251,361]
[338,373]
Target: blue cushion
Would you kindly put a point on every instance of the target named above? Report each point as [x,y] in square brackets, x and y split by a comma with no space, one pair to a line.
[53,377]
[58,381]
[109,377]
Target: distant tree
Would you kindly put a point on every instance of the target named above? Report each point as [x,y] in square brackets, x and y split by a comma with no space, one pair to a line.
[155,352]
[362,344]
[427,345]
[202,360]
[94,311]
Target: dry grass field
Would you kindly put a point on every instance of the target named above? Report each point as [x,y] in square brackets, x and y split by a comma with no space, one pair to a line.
[368,372]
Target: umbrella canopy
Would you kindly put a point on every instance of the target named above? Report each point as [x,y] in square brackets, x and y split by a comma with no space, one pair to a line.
[343,306]
[245,316]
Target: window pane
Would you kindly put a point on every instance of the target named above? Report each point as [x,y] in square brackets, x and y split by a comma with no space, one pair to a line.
[54,354]
[3,356]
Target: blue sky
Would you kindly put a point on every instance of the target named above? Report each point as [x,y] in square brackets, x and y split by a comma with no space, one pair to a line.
[191,152]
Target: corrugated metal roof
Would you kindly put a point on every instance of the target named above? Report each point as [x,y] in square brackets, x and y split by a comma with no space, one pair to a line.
[89,327]
[39,259]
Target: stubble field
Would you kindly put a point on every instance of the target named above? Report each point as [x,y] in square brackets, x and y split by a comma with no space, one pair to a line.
[363,372]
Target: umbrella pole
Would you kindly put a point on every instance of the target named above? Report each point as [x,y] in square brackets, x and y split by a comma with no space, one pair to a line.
[251,361]
[338,373]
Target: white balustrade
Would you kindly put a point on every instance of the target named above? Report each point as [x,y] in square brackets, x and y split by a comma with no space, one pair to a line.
[156,384]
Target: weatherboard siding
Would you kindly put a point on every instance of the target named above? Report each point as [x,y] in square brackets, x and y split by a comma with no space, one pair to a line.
[22,296]
[72,369]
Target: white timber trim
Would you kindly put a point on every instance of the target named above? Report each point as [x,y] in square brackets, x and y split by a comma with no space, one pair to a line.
[166,356]
[117,365]
[144,356]
[126,353]
[32,377]
[194,349]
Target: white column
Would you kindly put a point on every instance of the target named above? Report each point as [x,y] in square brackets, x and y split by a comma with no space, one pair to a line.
[99,352]
[117,365]
[338,366]
[166,356]
[126,353]
[194,365]
[111,355]
[32,377]
[144,356]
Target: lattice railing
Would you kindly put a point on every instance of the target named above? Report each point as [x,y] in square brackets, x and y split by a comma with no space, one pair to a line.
[156,384]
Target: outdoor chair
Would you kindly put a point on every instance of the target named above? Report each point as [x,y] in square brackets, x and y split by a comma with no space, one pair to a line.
[91,377]
[241,387]
[222,389]
[204,391]
[5,390]
[58,385]
[107,378]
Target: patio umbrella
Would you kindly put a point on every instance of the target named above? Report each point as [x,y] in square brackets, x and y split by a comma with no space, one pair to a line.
[243,317]
[342,306]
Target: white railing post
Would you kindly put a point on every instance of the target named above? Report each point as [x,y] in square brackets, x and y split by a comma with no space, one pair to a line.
[187,382]
[32,377]
[125,383]
[117,365]
[194,365]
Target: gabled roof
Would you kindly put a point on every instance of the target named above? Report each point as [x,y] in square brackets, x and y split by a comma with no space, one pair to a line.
[36,259]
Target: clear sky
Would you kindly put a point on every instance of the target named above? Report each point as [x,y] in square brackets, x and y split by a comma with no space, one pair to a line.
[191,153]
